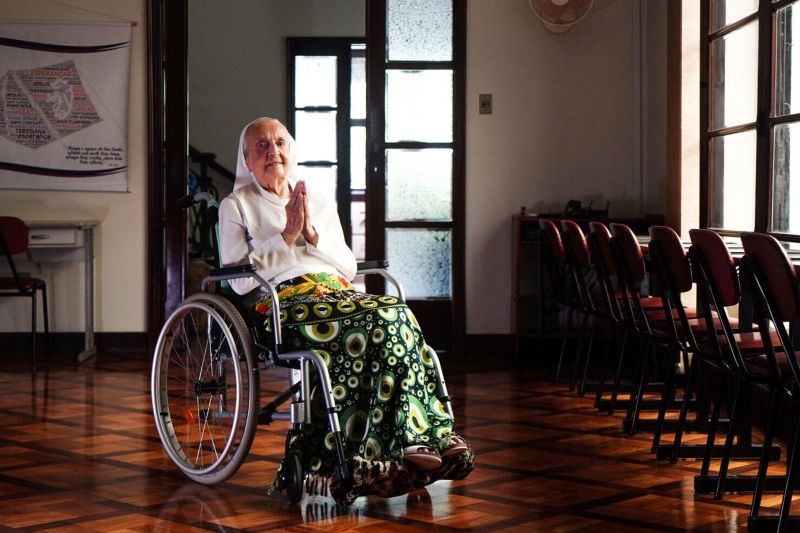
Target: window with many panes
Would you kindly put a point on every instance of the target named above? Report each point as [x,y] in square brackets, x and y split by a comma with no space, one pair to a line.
[750,116]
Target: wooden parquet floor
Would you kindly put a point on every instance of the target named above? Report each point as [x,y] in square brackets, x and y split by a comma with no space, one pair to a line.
[79,452]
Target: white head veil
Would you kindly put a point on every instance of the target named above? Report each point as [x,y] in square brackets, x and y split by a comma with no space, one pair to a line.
[243,174]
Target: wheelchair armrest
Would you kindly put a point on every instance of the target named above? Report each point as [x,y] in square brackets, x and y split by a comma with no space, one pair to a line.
[248,271]
[371,265]
[239,271]
[379,267]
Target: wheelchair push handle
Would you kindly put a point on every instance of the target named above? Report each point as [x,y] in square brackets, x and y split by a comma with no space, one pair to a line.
[193,199]
[370,265]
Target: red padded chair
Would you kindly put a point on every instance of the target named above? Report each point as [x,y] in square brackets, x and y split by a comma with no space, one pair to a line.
[580,267]
[13,241]
[676,330]
[650,325]
[599,240]
[564,292]
[772,280]
[631,273]
[603,260]
[738,355]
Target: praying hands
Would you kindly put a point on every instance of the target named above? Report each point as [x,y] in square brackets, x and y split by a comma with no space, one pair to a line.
[298,219]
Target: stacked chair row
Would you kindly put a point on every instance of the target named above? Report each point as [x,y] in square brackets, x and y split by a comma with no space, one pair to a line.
[717,360]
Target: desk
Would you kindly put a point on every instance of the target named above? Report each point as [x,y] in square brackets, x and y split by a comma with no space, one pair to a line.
[66,236]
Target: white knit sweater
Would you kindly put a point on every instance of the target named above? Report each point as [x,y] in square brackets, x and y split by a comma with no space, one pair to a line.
[250,232]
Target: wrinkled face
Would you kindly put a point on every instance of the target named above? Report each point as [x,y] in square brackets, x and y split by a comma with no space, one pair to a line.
[267,152]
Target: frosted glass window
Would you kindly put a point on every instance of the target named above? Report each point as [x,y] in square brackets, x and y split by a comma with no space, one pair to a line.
[421,259]
[419,30]
[419,184]
[358,87]
[322,179]
[732,181]
[786,178]
[315,81]
[316,136]
[419,105]
[787,61]
[734,77]
[358,157]
[724,12]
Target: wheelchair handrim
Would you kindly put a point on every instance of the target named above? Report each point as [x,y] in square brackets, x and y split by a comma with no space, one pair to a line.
[164,424]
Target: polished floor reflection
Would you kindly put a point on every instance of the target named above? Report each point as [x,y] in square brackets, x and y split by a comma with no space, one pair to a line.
[79,452]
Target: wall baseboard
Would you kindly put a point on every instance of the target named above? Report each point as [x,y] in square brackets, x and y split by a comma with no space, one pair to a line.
[529,349]
[489,344]
[132,342]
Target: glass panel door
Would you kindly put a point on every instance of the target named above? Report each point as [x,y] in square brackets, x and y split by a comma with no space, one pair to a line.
[416,157]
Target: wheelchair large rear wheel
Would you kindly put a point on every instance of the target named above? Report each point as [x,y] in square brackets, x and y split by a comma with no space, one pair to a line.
[205,388]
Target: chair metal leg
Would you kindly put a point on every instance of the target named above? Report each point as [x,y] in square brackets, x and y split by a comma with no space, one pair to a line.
[726,456]
[764,463]
[602,380]
[582,389]
[666,398]
[618,376]
[46,321]
[567,326]
[690,377]
[33,327]
[791,475]
[573,383]
[712,432]
[636,402]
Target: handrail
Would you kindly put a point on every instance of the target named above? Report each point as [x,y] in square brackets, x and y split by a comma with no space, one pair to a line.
[210,160]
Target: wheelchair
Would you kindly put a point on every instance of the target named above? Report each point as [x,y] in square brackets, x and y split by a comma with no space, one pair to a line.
[206,378]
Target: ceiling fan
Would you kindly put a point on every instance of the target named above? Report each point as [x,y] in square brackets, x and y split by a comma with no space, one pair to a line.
[559,16]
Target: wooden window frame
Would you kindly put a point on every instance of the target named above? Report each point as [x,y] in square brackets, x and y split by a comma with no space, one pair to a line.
[763,125]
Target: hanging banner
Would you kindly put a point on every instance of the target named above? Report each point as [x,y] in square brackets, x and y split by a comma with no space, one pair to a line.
[64,105]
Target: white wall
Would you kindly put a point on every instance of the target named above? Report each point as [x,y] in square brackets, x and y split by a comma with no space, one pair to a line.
[562,129]
[120,265]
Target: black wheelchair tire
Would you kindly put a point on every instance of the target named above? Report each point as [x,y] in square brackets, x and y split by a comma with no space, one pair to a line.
[294,482]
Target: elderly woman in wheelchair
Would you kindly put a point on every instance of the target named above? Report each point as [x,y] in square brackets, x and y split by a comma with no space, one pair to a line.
[370,412]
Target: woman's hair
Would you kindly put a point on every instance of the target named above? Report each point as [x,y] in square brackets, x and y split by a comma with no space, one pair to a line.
[243,174]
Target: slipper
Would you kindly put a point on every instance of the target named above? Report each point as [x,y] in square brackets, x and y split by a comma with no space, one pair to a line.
[422,457]
[457,446]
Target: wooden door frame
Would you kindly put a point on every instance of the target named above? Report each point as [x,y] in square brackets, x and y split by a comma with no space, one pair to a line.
[167,147]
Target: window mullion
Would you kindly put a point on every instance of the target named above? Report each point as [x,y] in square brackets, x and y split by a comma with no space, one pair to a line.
[705,42]
[343,196]
[763,150]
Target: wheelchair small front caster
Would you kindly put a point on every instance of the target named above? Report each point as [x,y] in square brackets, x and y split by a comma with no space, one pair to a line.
[294,482]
